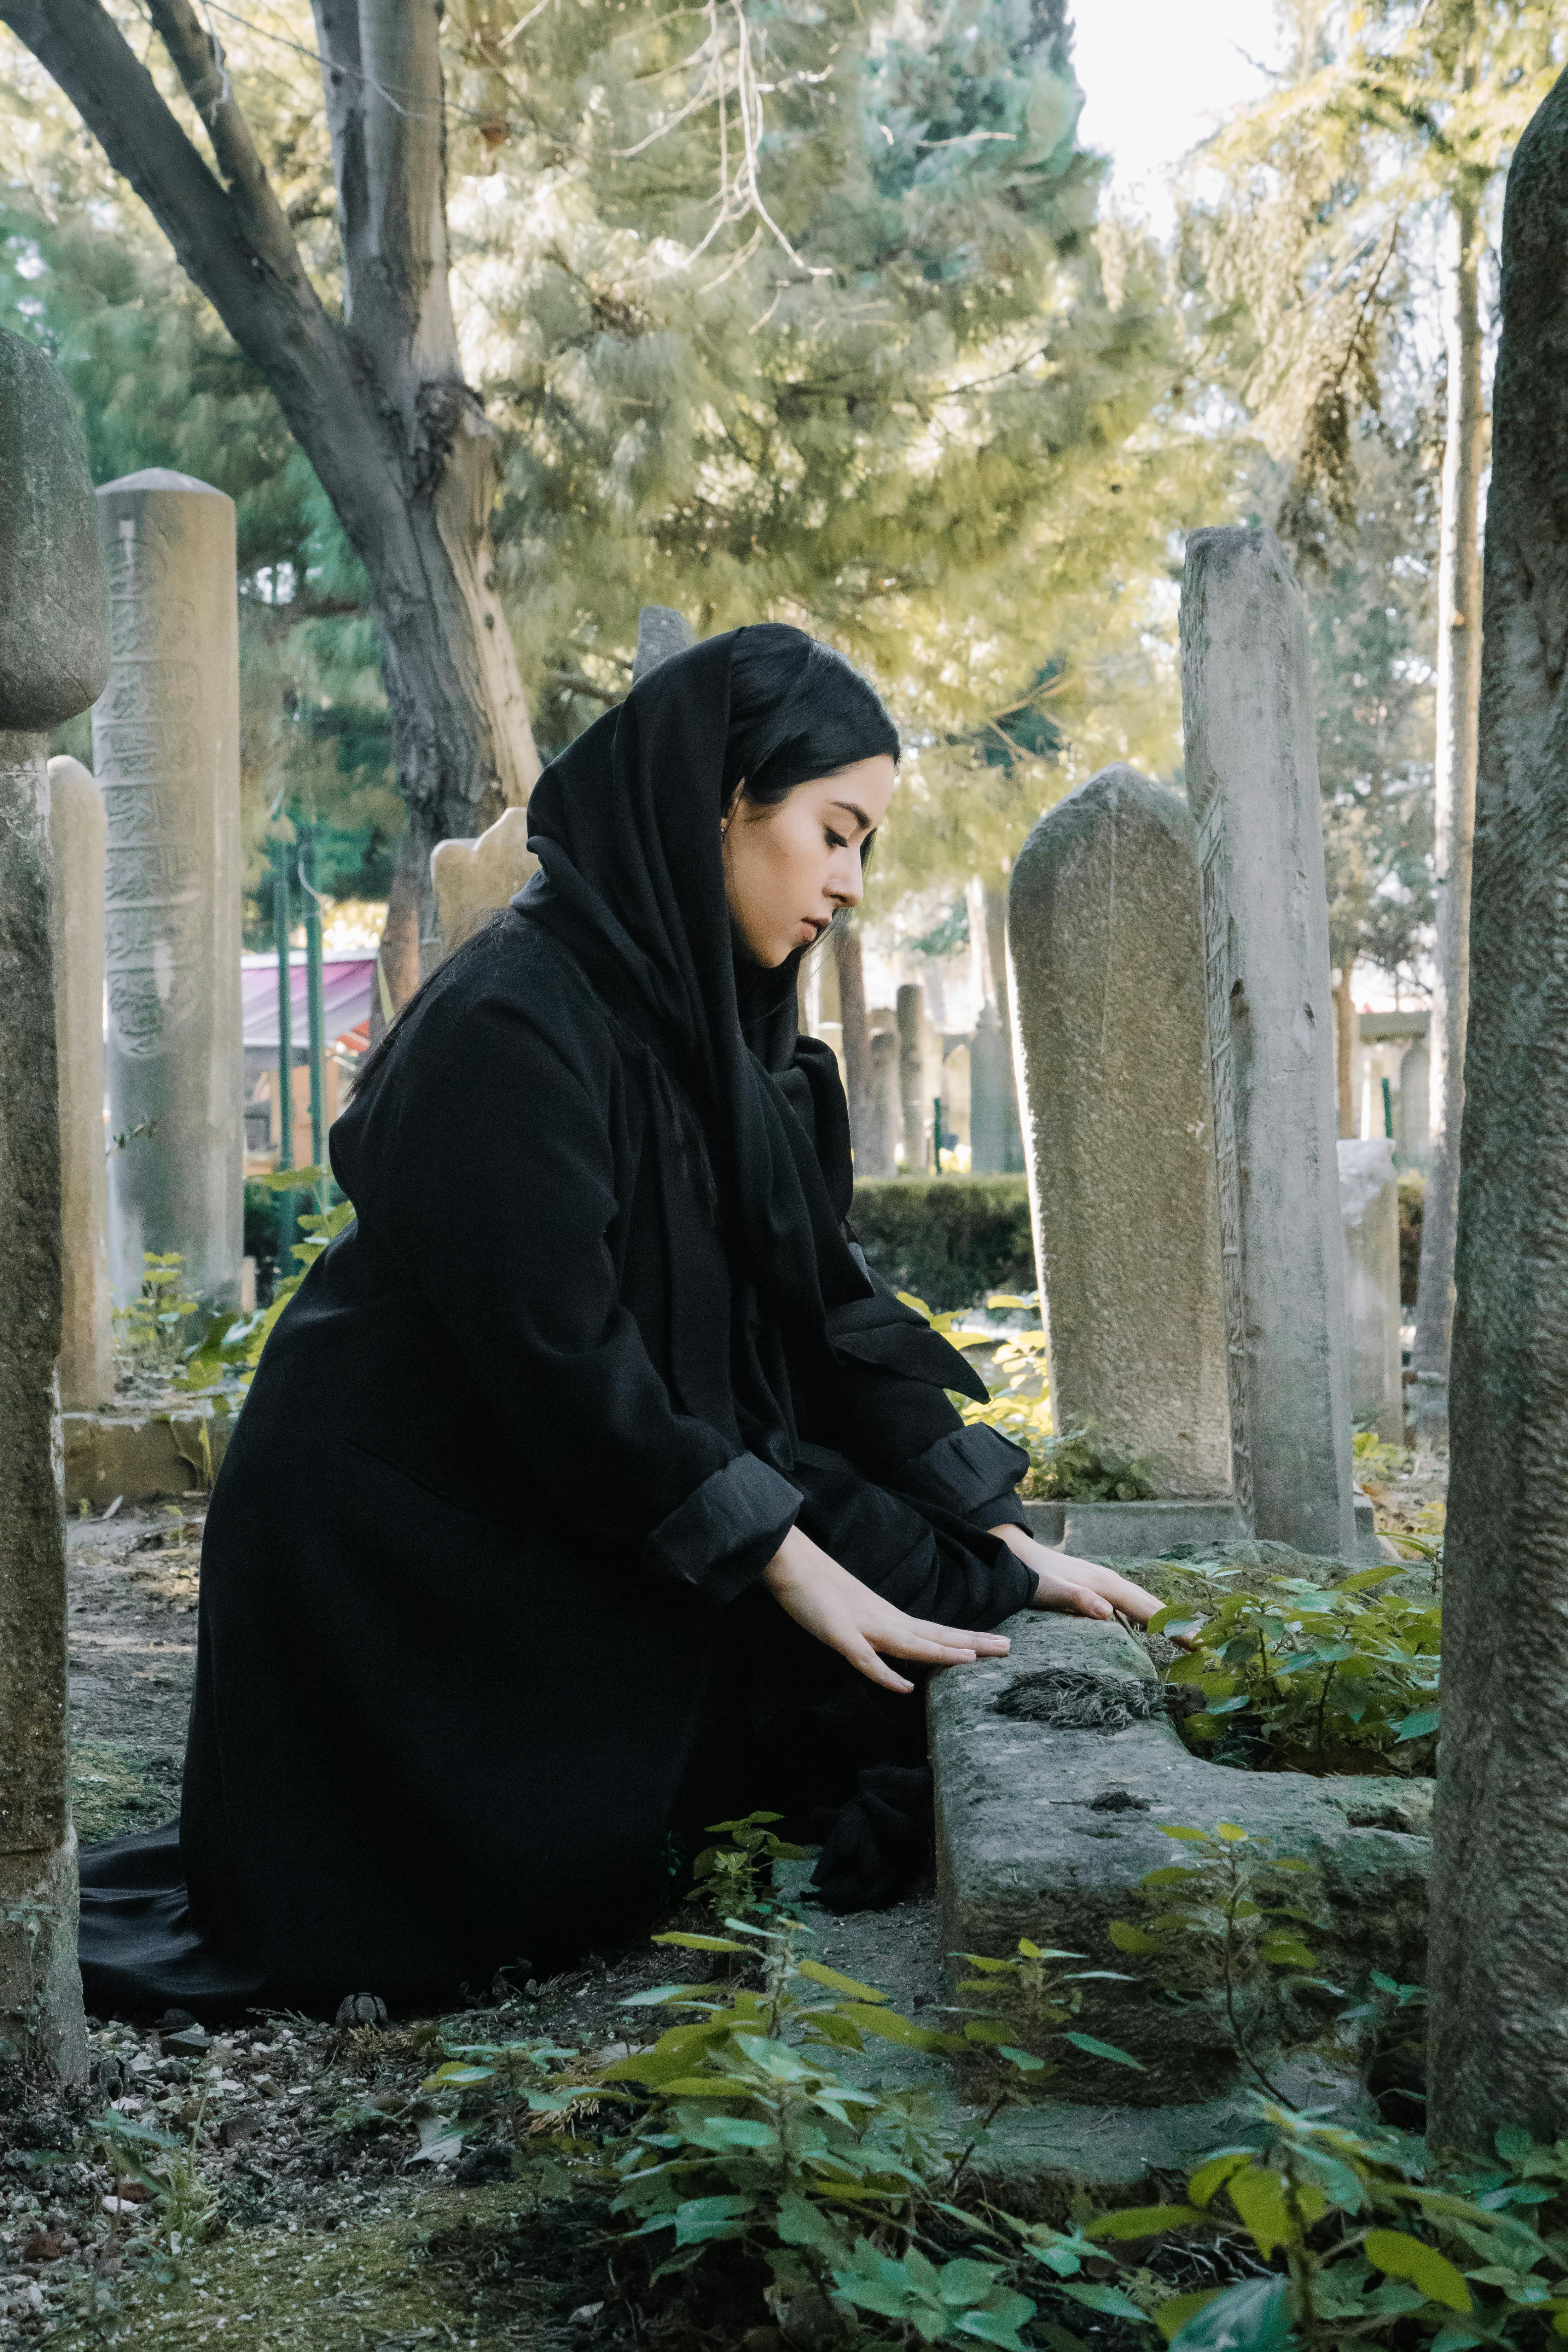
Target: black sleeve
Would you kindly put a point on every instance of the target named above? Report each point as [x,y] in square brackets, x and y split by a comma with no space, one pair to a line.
[502,1201]
[891,1414]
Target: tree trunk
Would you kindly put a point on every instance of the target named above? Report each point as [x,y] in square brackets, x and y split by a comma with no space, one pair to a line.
[1458,696]
[1347,1038]
[1500,1887]
[856,1038]
[377,399]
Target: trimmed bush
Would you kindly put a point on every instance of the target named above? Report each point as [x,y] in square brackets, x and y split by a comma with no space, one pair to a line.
[948,1239]
[1412,1201]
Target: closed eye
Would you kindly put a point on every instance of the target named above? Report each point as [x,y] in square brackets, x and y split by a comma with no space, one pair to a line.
[835,840]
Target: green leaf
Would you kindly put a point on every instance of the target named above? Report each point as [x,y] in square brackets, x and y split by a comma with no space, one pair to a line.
[1140,2221]
[826,1976]
[802,2224]
[1107,2299]
[1104,2050]
[1190,1837]
[1402,2256]
[1174,2312]
[1253,2316]
[1258,2194]
[1512,2143]
[701,2218]
[1128,1938]
[1417,1725]
[707,2087]
[1025,2059]
[1231,1834]
[992,2327]
[704,1943]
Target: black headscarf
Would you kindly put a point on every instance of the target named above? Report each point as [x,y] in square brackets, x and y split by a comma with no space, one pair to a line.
[625,827]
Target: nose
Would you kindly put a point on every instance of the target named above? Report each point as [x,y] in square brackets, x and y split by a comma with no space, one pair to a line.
[846,881]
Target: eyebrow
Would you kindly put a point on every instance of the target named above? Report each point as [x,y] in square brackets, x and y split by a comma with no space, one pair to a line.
[859,814]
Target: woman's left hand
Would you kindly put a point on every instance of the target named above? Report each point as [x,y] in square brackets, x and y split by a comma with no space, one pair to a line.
[1078,1585]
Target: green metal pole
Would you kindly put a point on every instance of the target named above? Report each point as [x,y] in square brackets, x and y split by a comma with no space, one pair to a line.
[281,926]
[315,1003]
[1387,1112]
[936,1131]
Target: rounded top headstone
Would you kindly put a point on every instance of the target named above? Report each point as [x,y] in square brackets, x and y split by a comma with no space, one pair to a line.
[54,612]
[158,478]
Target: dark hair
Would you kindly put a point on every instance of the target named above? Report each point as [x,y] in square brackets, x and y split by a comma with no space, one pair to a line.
[796,710]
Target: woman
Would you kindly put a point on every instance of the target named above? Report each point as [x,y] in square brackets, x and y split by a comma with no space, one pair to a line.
[591,1484]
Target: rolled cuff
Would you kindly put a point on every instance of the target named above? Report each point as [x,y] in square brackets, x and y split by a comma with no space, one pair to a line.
[723,1535]
[972,1471]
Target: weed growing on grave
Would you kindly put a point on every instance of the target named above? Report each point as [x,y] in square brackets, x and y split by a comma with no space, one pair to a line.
[1238,1899]
[1037,1999]
[729,1877]
[165,2165]
[149,1333]
[1316,1678]
[224,1360]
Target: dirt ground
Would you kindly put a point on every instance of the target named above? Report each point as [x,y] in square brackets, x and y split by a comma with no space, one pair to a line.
[313,2204]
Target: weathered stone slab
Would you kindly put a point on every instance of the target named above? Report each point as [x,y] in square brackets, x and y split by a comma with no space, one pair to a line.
[1369,1214]
[1045,1831]
[1106,943]
[54,655]
[77,836]
[142,1457]
[1133,1530]
[473,880]
[1252,784]
[661,631]
[165,746]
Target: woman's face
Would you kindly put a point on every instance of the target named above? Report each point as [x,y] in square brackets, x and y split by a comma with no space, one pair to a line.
[788,869]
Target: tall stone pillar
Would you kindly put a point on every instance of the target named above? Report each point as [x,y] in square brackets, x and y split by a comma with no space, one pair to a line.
[1252,784]
[76,927]
[1109,1008]
[1416,1107]
[54,655]
[165,743]
[1498,1973]
[882,1151]
[1369,1217]
[912,1104]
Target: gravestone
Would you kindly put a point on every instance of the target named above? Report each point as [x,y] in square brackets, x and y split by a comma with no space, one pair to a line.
[1416,1107]
[473,880]
[165,744]
[882,1145]
[1499,2020]
[1108,982]
[660,632]
[1369,1214]
[991,1105]
[913,1107]
[1252,785]
[77,835]
[54,655]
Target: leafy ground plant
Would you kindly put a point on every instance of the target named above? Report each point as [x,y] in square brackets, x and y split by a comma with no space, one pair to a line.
[1235,1901]
[729,1877]
[224,1360]
[1314,1677]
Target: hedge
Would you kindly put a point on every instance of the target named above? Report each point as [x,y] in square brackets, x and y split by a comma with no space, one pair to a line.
[948,1239]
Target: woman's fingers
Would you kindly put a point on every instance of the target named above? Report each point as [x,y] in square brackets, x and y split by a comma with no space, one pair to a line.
[861,1654]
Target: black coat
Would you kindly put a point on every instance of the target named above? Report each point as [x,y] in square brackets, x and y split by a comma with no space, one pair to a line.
[482,1628]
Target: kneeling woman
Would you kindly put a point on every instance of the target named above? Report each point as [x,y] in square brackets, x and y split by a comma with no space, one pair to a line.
[590,1483]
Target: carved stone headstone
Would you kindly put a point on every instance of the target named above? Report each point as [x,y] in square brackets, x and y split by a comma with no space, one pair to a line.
[913,1105]
[473,880]
[165,746]
[1252,785]
[1369,1214]
[1416,1106]
[882,1145]
[54,656]
[1499,2019]
[660,632]
[1108,981]
[76,922]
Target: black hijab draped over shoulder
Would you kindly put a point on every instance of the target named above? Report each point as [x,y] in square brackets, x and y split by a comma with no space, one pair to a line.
[626,825]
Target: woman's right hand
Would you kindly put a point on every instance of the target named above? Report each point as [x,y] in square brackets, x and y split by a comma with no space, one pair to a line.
[835,1608]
